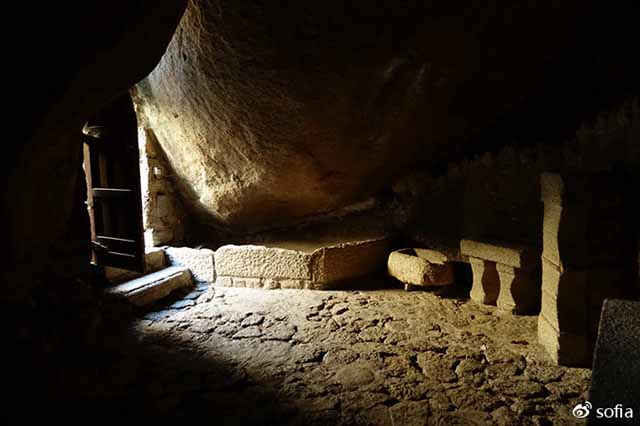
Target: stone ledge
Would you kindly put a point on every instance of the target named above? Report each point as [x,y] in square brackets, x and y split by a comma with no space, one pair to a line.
[503,253]
[153,287]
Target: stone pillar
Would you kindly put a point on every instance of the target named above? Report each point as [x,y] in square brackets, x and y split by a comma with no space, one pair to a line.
[519,290]
[589,254]
[504,274]
[486,282]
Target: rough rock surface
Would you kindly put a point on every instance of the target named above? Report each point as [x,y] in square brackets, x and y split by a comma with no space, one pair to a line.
[383,357]
[275,112]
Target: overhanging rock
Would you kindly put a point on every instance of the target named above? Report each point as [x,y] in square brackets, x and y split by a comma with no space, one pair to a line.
[299,265]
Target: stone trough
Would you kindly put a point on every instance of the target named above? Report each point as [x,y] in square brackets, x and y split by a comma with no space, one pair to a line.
[299,265]
[420,267]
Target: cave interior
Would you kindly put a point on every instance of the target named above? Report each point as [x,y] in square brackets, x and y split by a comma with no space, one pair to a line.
[327,213]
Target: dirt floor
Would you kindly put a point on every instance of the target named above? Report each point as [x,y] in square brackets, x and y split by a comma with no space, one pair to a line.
[298,357]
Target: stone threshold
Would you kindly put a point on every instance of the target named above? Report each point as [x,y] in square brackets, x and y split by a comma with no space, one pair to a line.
[155,286]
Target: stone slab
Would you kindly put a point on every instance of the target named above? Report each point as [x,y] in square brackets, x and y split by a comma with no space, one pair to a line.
[348,260]
[616,364]
[252,261]
[499,252]
[200,262]
[155,286]
[299,266]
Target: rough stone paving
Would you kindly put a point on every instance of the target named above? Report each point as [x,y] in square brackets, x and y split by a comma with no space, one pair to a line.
[380,357]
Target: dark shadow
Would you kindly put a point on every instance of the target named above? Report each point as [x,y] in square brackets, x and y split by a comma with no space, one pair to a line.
[156,377]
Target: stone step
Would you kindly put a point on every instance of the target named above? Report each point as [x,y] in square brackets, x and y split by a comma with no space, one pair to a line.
[155,286]
[154,259]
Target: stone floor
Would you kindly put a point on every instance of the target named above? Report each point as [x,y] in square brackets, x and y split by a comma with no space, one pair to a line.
[380,357]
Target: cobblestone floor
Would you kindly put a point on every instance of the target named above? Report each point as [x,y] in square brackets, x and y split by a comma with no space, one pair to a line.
[379,357]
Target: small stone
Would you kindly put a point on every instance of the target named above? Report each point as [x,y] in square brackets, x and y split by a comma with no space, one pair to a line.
[398,366]
[354,375]
[249,332]
[543,373]
[279,332]
[437,367]
[527,407]
[502,369]
[471,399]
[253,319]
[563,389]
[332,325]
[202,326]
[193,295]
[503,416]
[203,286]
[205,297]
[469,366]
[307,353]
[160,315]
[519,388]
[410,413]
[372,334]
[406,390]
[181,304]
[339,309]
[339,356]
[227,329]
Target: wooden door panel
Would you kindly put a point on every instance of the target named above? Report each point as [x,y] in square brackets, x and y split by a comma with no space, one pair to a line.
[113,178]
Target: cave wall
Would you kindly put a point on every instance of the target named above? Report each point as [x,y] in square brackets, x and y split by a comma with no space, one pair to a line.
[43,166]
[496,195]
[271,113]
[66,68]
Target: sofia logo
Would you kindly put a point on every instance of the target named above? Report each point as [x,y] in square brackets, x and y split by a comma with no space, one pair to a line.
[582,410]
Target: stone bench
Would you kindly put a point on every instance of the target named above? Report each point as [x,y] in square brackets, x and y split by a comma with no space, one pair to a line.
[504,274]
[420,267]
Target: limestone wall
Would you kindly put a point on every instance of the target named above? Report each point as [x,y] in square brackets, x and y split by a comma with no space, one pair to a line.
[163,211]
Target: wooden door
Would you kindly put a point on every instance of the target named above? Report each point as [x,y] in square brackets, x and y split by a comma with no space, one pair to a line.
[112,169]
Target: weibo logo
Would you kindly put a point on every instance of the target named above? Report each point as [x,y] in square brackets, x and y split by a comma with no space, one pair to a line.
[581,411]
